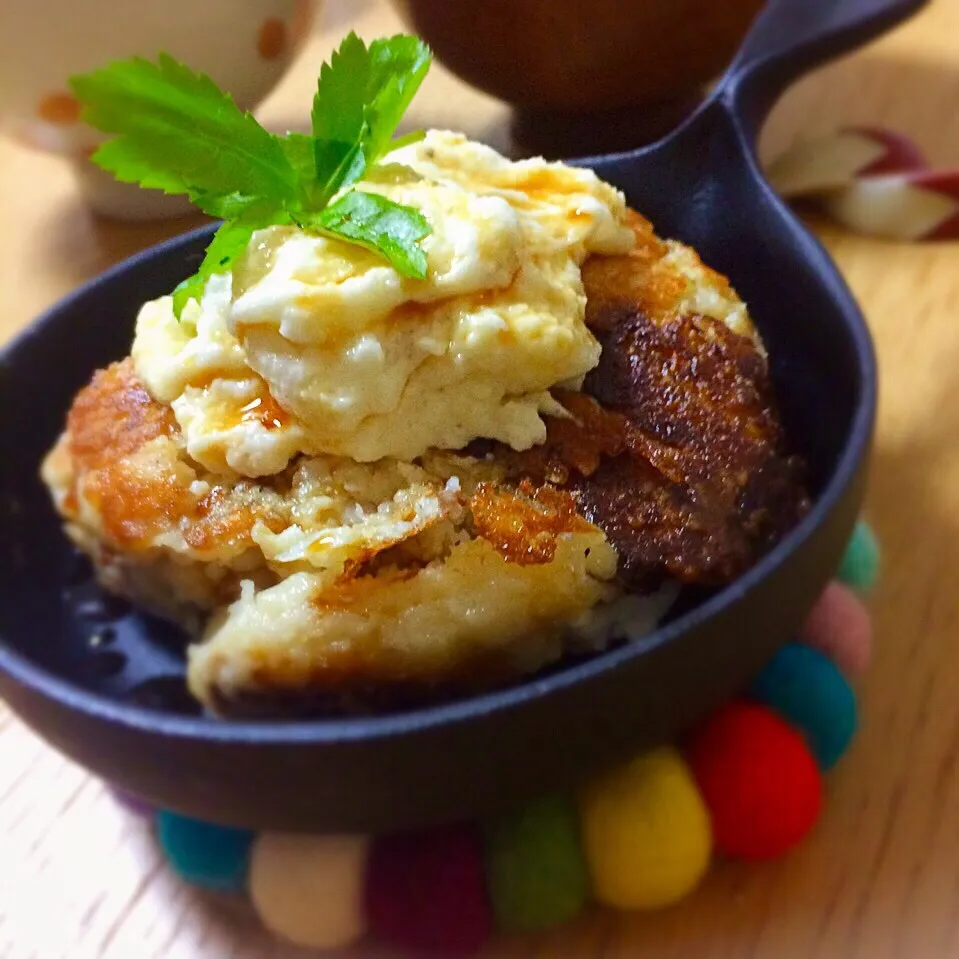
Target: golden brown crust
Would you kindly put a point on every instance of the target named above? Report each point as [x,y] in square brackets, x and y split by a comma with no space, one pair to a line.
[353,684]
[635,277]
[140,488]
[113,417]
[523,524]
[674,449]
[139,492]
[577,443]
[643,279]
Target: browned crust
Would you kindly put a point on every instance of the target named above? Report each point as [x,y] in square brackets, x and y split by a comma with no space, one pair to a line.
[677,453]
[674,449]
[113,417]
[642,280]
[137,495]
[360,687]
[523,524]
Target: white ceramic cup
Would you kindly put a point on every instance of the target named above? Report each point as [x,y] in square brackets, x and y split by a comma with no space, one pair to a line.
[244,45]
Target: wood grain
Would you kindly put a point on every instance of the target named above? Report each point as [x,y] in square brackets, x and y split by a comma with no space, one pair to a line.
[81,878]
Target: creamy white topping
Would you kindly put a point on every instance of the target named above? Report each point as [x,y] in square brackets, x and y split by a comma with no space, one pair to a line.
[363,363]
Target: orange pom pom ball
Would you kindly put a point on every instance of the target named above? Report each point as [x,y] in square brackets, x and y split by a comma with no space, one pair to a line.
[760,782]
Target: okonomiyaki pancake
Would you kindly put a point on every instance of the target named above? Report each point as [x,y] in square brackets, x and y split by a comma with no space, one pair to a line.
[328,563]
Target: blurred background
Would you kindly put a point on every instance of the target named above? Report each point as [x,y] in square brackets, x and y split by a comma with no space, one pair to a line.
[563,78]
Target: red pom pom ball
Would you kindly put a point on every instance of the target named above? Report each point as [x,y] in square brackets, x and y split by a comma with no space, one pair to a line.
[426,892]
[760,782]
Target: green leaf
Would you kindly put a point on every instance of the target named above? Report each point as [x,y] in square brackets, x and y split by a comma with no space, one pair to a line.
[129,164]
[400,65]
[339,116]
[228,243]
[299,148]
[234,206]
[361,96]
[190,289]
[380,225]
[176,131]
[124,160]
[179,132]
[414,136]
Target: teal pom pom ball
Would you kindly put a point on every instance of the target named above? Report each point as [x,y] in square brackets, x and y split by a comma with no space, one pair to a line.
[808,691]
[861,561]
[206,855]
[535,868]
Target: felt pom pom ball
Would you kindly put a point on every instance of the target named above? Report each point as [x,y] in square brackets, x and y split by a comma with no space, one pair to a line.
[308,889]
[646,832]
[861,561]
[214,857]
[839,626]
[759,779]
[804,687]
[535,869]
[426,892]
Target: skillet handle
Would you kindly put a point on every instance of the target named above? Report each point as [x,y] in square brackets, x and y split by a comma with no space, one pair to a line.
[791,37]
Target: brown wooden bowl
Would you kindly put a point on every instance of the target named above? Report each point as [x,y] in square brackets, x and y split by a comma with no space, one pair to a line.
[577,55]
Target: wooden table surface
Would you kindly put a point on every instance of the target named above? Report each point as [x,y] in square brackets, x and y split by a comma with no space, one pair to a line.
[880,878]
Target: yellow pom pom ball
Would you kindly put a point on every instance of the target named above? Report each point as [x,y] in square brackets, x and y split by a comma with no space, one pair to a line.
[309,889]
[645,832]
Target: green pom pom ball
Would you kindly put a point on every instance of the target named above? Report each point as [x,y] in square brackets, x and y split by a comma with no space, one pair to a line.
[860,563]
[535,868]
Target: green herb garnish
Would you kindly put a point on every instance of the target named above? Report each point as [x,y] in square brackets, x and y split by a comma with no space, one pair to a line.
[176,131]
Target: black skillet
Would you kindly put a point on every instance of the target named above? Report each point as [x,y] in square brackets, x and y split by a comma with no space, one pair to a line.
[105,685]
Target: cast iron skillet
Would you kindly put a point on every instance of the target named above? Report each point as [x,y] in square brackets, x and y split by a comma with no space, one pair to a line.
[105,685]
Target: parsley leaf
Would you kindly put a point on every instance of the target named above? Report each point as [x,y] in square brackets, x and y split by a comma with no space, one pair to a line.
[338,117]
[414,136]
[229,242]
[400,66]
[378,224]
[175,130]
[178,130]
[298,148]
[361,96]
